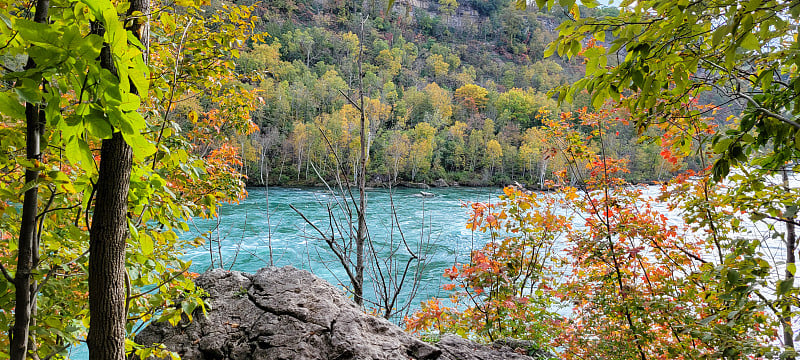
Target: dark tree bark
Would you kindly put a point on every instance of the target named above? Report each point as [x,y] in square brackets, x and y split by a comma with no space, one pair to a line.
[791,245]
[107,239]
[361,231]
[27,256]
[109,233]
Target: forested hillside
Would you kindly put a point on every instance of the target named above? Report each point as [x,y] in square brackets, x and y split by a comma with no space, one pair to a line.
[453,90]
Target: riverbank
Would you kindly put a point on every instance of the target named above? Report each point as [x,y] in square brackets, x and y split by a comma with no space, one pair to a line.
[379,183]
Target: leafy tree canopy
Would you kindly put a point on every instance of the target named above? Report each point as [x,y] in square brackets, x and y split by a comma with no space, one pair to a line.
[656,57]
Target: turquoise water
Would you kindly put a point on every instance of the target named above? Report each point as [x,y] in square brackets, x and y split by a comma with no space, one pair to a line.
[243,232]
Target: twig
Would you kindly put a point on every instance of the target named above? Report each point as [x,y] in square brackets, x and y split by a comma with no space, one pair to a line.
[350,100]
[173,277]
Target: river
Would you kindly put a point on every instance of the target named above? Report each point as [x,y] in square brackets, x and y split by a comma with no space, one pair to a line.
[243,232]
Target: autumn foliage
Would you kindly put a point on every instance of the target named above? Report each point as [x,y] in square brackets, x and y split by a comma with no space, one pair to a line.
[183,125]
[501,292]
[602,270]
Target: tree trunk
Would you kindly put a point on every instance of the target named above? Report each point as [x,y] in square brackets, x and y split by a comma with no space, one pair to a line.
[107,252]
[24,284]
[791,244]
[109,231]
[27,256]
[300,164]
[361,232]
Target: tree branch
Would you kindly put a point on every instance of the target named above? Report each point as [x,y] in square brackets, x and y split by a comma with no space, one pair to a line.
[6,274]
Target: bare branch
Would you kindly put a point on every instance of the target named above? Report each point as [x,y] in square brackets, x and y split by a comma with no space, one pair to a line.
[6,274]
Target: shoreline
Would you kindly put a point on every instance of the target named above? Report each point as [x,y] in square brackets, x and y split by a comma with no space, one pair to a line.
[438,184]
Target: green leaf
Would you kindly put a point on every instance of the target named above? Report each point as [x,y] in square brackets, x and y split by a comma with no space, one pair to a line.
[116,35]
[732,276]
[599,98]
[157,181]
[574,48]
[791,268]
[100,128]
[719,33]
[133,122]
[6,20]
[167,21]
[91,46]
[146,244]
[638,78]
[85,320]
[600,36]
[141,147]
[541,4]
[188,307]
[730,57]
[35,32]
[10,106]
[111,88]
[130,102]
[52,112]
[784,286]
[797,139]
[550,50]
[77,151]
[708,319]
[58,176]
[746,24]
[750,42]
[28,91]
[139,75]
[28,185]
[791,211]
[721,169]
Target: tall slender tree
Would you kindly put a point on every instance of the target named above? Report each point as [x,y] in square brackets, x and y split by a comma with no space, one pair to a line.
[109,230]
[361,231]
[28,257]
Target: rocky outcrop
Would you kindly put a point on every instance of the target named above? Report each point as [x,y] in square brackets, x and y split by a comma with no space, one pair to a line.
[457,348]
[463,16]
[286,313]
[440,183]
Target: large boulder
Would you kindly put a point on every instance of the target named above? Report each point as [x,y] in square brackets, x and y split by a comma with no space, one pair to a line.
[286,313]
[440,183]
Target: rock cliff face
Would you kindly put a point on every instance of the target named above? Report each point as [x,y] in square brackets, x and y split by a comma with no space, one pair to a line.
[286,313]
[464,14]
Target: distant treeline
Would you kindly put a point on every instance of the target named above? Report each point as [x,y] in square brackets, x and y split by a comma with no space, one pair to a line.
[457,91]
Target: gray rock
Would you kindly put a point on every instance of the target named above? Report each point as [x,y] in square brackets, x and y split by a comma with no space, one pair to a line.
[457,348]
[440,183]
[524,346]
[286,313]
